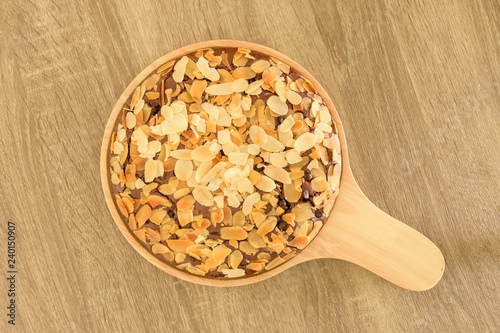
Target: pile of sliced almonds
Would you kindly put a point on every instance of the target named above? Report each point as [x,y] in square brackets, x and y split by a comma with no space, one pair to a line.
[223,164]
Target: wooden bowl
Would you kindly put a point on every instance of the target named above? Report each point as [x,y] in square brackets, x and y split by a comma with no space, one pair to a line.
[356,231]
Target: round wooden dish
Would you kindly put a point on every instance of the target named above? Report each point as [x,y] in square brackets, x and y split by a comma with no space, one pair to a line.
[356,231]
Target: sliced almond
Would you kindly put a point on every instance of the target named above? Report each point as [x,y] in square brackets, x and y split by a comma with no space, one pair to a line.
[203,195]
[267,226]
[304,142]
[278,174]
[255,239]
[245,186]
[235,259]
[130,120]
[150,170]
[265,184]
[249,202]
[219,89]
[293,97]
[202,154]
[156,200]
[243,72]
[223,136]
[143,215]
[183,169]
[260,65]
[212,110]
[238,158]
[299,242]
[258,135]
[319,184]
[220,252]
[207,71]
[252,87]
[280,88]
[235,233]
[233,273]
[277,106]
[293,156]
[180,69]
[239,85]
[278,160]
[179,245]
[287,124]
[182,154]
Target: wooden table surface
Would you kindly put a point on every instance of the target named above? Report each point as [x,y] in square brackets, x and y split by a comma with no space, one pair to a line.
[417,88]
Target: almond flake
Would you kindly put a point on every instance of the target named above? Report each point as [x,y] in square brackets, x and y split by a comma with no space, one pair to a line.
[212,111]
[287,124]
[238,158]
[180,69]
[183,169]
[324,127]
[245,186]
[253,149]
[265,184]
[267,226]
[277,106]
[207,71]
[219,89]
[278,174]
[130,120]
[249,202]
[239,85]
[278,160]
[243,72]
[233,273]
[304,142]
[260,65]
[235,233]
[202,154]
[202,170]
[150,171]
[258,135]
[319,184]
[143,215]
[223,136]
[182,154]
[252,87]
[293,97]
[280,89]
[273,145]
[203,195]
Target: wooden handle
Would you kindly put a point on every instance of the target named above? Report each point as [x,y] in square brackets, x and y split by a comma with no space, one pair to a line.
[363,234]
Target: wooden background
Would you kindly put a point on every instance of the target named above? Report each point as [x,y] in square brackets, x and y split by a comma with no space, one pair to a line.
[417,88]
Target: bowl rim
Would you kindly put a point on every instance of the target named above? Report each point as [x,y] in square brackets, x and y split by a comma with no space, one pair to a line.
[302,256]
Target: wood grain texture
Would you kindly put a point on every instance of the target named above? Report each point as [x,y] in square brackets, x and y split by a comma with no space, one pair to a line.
[416,86]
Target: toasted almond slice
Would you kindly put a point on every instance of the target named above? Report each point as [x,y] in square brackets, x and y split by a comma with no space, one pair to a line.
[258,135]
[274,263]
[238,158]
[324,115]
[280,88]
[293,97]
[176,125]
[255,239]
[245,186]
[213,172]
[265,184]
[236,233]
[240,121]
[287,124]
[143,215]
[319,184]
[185,217]
[319,135]
[220,252]
[299,242]
[223,136]
[277,106]
[249,202]
[267,226]
[293,156]
[260,65]
[233,273]
[167,189]
[243,72]
[180,193]
[203,154]
[273,145]
[197,90]
[207,71]
[183,169]
[203,195]
[159,248]
[202,170]
[304,142]
[278,174]
[182,154]
[325,127]
[219,89]
[212,110]
[235,259]
[155,200]
[179,245]
[130,120]
[150,170]
[253,149]
[278,160]
[180,69]
[252,87]
[239,85]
